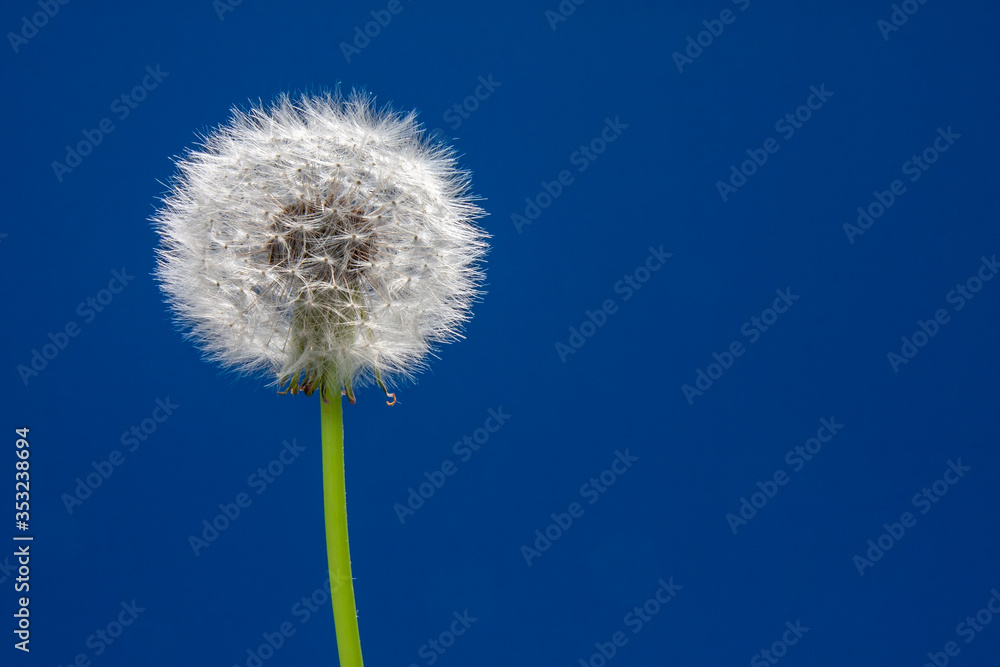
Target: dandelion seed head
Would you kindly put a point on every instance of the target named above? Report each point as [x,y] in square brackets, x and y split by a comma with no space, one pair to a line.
[322,241]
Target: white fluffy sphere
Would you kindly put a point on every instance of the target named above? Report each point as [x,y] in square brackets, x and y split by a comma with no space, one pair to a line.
[322,240]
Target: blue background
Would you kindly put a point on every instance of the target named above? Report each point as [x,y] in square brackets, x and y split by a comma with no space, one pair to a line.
[826,357]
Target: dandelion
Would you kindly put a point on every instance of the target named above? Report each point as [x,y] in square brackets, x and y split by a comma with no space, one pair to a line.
[329,245]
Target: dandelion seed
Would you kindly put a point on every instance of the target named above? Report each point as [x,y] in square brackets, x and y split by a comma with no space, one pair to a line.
[347,255]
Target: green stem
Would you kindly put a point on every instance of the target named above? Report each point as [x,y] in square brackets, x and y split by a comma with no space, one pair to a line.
[345,615]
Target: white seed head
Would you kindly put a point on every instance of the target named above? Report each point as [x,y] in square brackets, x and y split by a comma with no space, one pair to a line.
[321,240]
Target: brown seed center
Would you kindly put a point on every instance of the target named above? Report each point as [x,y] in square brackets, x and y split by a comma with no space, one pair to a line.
[324,241]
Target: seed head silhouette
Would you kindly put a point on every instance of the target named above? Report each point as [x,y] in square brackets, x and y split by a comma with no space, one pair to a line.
[321,240]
